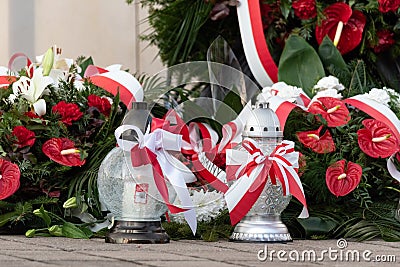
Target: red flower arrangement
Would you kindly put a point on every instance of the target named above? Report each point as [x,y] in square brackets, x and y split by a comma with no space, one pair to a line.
[52,146]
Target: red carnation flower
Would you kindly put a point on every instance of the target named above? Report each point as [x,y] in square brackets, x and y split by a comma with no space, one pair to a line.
[62,151]
[305,9]
[101,103]
[376,139]
[385,41]
[332,110]
[9,178]
[353,20]
[31,115]
[319,144]
[24,136]
[342,179]
[388,5]
[69,112]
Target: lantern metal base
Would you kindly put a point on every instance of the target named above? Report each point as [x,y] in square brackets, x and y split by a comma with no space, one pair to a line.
[261,228]
[137,232]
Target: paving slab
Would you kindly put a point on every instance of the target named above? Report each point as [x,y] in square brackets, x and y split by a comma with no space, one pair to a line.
[57,251]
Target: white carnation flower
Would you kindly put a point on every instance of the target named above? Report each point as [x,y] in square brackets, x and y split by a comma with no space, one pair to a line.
[281,89]
[208,205]
[328,93]
[327,83]
[379,95]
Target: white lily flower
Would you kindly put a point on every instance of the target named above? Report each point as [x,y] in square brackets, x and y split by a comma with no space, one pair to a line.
[330,82]
[59,63]
[33,89]
[60,66]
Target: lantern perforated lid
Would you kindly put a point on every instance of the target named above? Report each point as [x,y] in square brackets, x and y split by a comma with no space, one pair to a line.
[263,122]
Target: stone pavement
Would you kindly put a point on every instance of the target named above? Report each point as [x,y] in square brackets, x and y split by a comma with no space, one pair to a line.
[56,251]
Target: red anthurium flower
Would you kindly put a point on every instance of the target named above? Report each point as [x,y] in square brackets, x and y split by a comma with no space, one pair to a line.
[353,26]
[342,179]
[69,112]
[332,110]
[376,139]
[24,136]
[9,178]
[62,151]
[101,103]
[319,144]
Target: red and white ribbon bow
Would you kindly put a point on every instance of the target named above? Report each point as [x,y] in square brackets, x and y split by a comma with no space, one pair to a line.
[152,148]
[253,175]
[114,80]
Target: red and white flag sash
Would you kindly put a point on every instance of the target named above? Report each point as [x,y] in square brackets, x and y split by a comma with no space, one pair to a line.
[255,47]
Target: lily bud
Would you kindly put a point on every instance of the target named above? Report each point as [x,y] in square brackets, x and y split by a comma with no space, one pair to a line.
[55,230]
[48,61]
[30,233]
[70,203]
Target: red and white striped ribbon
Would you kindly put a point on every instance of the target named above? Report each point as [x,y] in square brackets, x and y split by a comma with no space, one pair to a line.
[255,47]
[114,80]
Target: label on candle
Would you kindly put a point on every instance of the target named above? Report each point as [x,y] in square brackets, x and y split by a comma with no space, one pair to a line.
[141,191]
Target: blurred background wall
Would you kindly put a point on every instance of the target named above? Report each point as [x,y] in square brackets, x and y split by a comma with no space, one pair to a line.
[107,30]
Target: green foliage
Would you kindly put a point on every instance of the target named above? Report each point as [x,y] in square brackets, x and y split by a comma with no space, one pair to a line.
[177,25]
[300,65]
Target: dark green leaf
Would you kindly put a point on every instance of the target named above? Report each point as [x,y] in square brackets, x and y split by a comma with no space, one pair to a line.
[300,64]
[330,55]
[317,226]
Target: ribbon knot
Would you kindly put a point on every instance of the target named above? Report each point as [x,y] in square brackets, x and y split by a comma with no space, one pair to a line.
[282,163]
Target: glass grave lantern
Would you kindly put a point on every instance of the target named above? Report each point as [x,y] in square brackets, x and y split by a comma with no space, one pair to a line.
[263,223]
[130,193]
